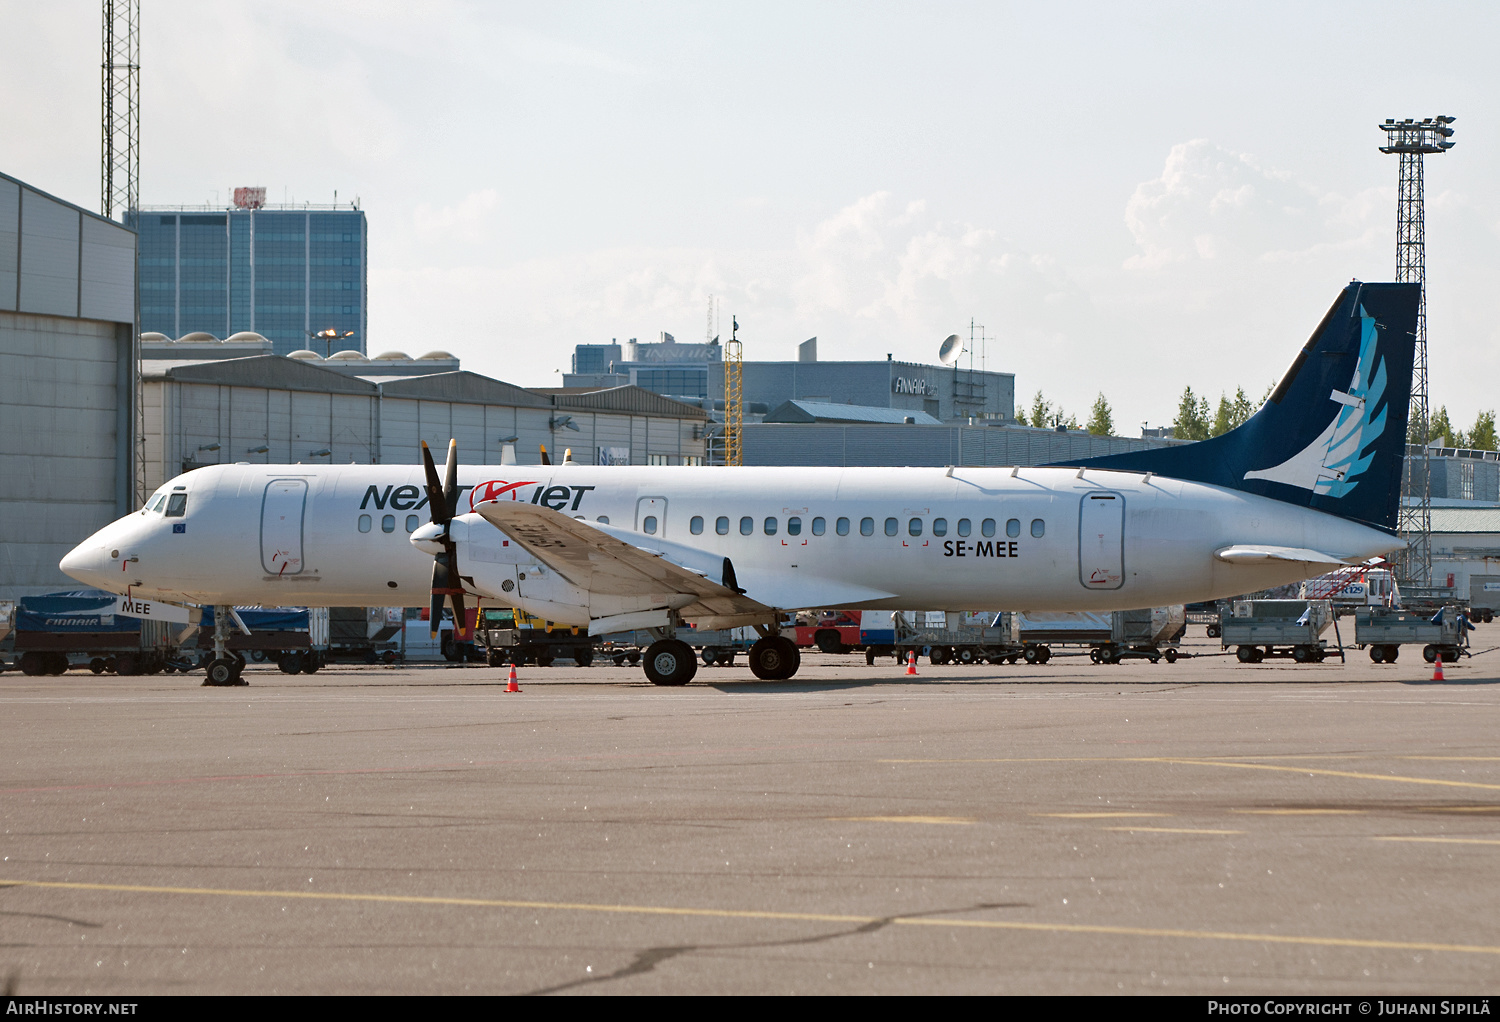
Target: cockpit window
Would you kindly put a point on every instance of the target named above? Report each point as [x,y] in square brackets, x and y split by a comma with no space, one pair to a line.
[155,503]
[176,505]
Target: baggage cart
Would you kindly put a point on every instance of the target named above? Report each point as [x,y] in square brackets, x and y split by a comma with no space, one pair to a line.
[1484,597]
[1385,630]
[1273,629]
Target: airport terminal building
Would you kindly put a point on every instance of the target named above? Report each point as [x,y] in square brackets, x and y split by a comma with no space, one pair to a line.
[283,272]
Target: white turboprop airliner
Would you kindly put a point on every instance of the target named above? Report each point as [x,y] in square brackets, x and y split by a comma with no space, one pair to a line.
[1312,480]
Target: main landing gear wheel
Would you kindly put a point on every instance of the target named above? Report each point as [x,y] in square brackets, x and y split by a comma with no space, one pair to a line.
[670,662]
[774,658]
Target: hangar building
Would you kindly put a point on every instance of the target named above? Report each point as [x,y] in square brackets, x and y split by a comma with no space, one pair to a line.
[67,329]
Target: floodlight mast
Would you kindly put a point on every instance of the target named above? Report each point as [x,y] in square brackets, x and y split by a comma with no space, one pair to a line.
[1411,140]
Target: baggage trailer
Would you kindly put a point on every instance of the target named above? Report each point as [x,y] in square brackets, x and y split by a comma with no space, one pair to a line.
[365,634]
[55,630]
[1275,629]
[1151,633]
[1385,630]
[1484,597]
[942,636]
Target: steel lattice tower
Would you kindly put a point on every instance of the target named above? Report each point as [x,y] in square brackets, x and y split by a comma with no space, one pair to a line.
[734,409]
[120,168]
[1412,140]
[120,75]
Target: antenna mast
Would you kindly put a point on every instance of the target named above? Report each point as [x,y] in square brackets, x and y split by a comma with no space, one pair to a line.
[120,171]
[734,413]
[1412,140]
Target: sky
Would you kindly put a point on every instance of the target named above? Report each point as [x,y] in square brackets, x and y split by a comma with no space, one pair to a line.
[1130,198]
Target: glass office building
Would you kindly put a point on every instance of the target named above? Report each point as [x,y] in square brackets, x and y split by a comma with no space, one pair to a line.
[285,273]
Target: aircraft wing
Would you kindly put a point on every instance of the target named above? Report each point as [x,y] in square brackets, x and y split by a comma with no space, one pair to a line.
[1251,553]
[591,559]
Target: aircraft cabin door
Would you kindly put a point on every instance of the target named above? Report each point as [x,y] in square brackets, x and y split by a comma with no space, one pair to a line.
[651,515]
[1101,541]
[281,514]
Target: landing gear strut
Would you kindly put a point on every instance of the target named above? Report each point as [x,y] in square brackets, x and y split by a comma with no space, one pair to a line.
[223,669]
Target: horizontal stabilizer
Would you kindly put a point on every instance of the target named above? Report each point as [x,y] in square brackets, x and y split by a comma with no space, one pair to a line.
[1257,554]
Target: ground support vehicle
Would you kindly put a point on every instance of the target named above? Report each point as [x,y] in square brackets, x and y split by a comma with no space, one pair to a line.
[1385,630]
[1275,629]
[365,634]
[831,631]
[296,638]
[1151,633]
[1353,587]
[55,630]
[1484,598]
[942,637]
[510,636]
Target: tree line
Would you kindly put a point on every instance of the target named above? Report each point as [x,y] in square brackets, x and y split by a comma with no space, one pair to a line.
[1197,419]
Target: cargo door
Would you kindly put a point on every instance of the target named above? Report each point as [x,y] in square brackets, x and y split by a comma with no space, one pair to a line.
[281,513]
[1101,541]
[651,515]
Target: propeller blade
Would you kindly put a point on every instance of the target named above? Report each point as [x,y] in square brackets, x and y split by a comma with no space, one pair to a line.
[435,612]
[545,460]
[450,481]
[436,506]
[461,630]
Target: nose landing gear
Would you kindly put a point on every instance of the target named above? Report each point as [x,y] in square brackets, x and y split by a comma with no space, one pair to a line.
[223,669]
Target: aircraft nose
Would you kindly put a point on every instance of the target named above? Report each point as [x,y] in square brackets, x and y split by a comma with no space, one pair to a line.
[86,562]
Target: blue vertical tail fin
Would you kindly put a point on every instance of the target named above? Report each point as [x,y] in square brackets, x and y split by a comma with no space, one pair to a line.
[1332,435]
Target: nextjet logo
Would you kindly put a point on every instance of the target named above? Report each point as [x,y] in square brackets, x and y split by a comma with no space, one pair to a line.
[558,498]
[414,498]
[495,489]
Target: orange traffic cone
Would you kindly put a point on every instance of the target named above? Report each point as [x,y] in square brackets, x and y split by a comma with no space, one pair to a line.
[911,661]
[1437,668]
[513,687]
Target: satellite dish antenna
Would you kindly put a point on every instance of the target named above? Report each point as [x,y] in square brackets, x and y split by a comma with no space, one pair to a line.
[951,349]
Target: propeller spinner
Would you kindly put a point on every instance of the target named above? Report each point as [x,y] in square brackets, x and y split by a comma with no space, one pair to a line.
[442,504]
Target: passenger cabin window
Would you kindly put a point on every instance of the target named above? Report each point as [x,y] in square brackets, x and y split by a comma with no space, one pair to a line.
[1013,528]
[987,527]
[963,527]
[794,526]
[914,527]
[365,523]
[841,526]
[388,523]
[747,525]
[867,526]
[892,526]
[940,526]
[696,525]
[1038,528]
[603,519]
[177,505]
[770,526]
[412,521]
[721,525]
[648,526]
[819,526]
